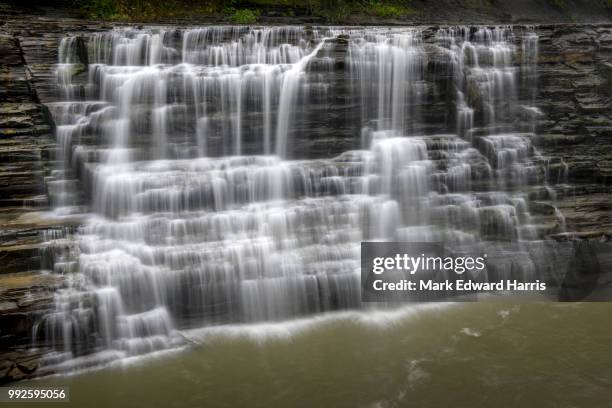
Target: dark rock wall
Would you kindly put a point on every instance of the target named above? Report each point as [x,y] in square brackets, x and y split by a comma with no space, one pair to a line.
[575,85]
[575,94]
[26,142]
[28,53]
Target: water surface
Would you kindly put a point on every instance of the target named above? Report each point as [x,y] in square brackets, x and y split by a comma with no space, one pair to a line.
[460,355]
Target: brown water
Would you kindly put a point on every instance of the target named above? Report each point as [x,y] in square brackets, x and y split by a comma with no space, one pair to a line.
[455,355]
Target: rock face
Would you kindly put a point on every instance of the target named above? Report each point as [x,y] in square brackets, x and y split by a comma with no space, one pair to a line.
[25,142]
[574,94]
[574,75]
[28,52]
[26,159]
[23,298]
[574,82]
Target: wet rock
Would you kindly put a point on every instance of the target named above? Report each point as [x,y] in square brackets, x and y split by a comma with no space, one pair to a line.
[558,139]
[541,208]
[24,297]
[16,122]
[20,363]
[7,306]
[584,235]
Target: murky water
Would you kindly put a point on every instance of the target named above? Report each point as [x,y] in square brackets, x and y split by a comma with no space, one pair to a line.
[439,355]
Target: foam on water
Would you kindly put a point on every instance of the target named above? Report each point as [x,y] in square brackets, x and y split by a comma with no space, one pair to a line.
[372,318]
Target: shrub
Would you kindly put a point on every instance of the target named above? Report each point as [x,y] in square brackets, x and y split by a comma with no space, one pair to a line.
[560,4]
[245,16]
[334,12]
[99,9]
[387,10]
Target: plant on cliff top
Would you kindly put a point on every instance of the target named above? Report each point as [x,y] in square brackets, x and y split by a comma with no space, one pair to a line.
[386,10]
[332,11]
[245,16]
[141,10]
[100,9]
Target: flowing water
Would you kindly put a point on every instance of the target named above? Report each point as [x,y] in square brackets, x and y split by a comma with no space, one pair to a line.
[227,175]
[461,355]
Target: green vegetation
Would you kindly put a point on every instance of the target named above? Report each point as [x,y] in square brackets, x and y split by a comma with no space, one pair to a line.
[332,11]
[387,10]
[245,16]
[144,10]
[567,7]
[563,7]
[250,11]
[101,9]
[560,4]
[241,11]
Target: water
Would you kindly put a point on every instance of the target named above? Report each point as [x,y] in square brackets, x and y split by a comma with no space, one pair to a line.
[468,355]
[191,155]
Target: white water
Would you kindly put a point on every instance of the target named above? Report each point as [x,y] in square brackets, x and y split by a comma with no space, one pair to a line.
[191,222]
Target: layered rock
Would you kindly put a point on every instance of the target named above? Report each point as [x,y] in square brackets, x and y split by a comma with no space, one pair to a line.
[26,148]
[574,82]
[25,142]
[575,127]
[24,297]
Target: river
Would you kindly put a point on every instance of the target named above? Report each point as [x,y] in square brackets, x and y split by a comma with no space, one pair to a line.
[464,355]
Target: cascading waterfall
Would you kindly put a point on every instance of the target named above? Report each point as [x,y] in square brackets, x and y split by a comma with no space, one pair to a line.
[176,142]
[389,68]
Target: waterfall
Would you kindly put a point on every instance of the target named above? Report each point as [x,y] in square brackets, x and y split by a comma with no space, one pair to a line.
[287,100]
[165,144]
[389,68]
